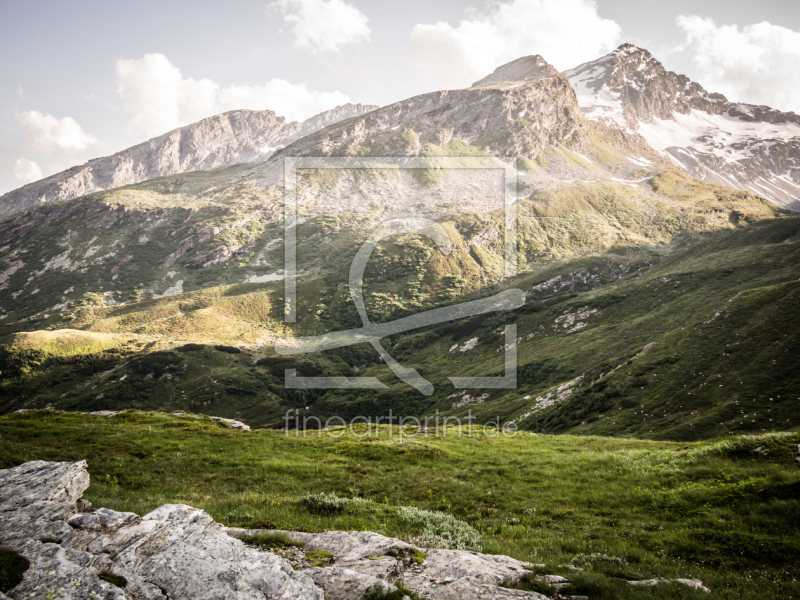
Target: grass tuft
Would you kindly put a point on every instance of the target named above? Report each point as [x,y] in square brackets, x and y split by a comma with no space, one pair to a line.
[272,541]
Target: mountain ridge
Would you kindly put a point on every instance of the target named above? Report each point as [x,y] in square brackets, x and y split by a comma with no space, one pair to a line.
[227,138]
[743,146]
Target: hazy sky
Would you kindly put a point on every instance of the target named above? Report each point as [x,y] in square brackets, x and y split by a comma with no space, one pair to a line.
[84,79]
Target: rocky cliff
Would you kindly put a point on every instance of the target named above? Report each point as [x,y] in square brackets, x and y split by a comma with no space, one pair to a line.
[232,137]
[517,111]
[747,147]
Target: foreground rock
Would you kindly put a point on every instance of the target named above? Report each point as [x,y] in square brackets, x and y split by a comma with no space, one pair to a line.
[692,583]
[177,552]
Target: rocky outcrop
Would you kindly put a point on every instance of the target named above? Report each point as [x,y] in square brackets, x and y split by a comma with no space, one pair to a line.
[746,147]
[527,68]
[232,137]
[629,86]
[177,552]
[231,423]
[507,117]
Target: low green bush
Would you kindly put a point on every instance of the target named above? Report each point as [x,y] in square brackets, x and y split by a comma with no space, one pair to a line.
[228,349]
[440,530]
[324,504]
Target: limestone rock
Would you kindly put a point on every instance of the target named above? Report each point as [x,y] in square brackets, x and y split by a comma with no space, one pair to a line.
[527,68]
[233,424]
[102,519]
[693,583]
[40,481]
[443,574]
[176,551]
[53,575]
[344,584]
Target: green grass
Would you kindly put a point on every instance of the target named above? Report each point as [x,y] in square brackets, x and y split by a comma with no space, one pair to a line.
[318,558]
[271,541]
[714,511]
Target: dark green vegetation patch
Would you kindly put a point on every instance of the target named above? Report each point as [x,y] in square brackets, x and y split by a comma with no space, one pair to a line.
[271,541]
[117,580]
[12,568]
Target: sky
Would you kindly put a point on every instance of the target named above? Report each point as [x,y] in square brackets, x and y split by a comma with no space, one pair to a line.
[85,79]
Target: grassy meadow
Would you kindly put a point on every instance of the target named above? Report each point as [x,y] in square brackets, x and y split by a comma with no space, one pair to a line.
[618,508]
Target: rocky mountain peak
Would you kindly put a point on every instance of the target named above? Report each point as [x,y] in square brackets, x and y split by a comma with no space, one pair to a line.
[630,86]
[527,68]
[750,148]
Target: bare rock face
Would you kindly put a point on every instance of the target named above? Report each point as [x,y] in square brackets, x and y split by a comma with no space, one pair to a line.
[435,574]
[527,68]
[746,147]
[503,116]
[629,86]
[56,483]
[177,552]
[232,137]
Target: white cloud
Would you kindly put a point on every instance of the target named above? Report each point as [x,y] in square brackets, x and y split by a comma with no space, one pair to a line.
[324,25]
[160,99]
[565,32]
[45,132]
[293,101]
[757,64]
[61,142]
[26,170]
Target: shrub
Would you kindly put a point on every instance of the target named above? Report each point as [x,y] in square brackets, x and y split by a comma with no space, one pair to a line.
[190,348]
[611,566]
[324,504]
[156,363]
[15,362]
[440,530]
[236,518]
[228,349]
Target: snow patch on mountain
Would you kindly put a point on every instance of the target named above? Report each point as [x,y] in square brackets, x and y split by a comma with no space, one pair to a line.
[597,101]
[726,136]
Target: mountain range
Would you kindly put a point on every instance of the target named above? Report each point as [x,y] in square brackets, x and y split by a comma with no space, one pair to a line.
[657,250]
[233,137]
